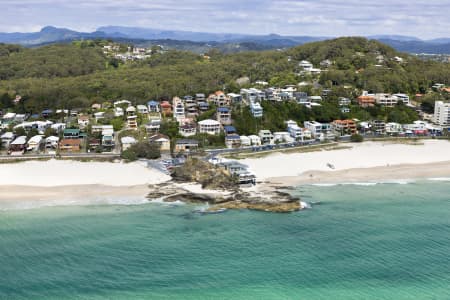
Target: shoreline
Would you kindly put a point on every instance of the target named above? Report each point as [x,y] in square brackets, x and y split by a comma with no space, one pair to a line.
[44,183]
[402,173]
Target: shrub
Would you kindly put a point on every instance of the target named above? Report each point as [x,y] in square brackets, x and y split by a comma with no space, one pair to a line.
[356,138]
[129,155]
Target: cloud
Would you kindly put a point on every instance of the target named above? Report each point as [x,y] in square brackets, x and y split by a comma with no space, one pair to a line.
[290,17]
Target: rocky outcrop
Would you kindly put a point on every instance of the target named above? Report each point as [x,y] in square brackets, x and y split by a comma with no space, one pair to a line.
[206,174]
[270,200]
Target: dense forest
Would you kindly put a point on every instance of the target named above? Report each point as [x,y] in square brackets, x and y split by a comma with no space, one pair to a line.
[79,74]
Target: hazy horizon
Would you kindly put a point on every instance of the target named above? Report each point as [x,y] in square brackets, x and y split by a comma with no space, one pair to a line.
[286,17]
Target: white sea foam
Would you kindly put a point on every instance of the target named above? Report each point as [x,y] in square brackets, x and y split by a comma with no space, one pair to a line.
[440,179]
[95,201]
[398,181]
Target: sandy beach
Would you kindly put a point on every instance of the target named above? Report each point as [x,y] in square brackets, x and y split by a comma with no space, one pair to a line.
[55,182]
[369,161]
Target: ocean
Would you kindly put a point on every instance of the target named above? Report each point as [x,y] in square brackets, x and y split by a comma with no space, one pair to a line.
[384,241]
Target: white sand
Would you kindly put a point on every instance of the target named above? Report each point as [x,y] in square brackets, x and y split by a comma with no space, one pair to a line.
[364,155]
[68,173]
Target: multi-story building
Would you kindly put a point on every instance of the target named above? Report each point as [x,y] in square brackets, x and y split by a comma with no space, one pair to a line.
[402,97]
[224,115]
[209,126]
[379,127]
[265,136]
[187,129]
[178,109]
[386,99]
[393,128]
[343,127]
[314,127]
[256,109]
[441,113]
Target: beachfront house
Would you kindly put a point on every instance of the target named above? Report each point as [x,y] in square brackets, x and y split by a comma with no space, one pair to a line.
[343,127]
[70,145]
[296,132]
[441,113]
[245,141]
[108,136]
[18,146]
[232,141]
[265,136]
[35,143]
[162,140]
[255,140]
[51,142]
[7,138]
[282,137]
[127,142]
[378,127]
[393,128]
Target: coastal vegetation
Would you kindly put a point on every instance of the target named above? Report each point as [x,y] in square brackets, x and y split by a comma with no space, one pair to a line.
[79,74]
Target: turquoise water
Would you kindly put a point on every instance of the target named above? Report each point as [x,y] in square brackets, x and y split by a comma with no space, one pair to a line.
[386,241]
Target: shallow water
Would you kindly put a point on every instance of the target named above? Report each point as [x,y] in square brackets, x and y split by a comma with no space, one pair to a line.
[384,241]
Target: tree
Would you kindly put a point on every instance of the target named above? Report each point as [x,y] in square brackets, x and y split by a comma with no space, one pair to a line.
[117,124]
[143,150]
[129,155]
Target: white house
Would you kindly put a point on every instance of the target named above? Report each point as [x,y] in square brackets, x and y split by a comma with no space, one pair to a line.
[99,115]
[266,136]
[256,109]
[142,109]
[255,140]
[441,113]
[123,103]
[282,137]
[118,111]
[35,142]
[40,126]
[52,142]
[245,141]
[83,121]
[306,65]
[58,127]
[393,128]
[127,142]
[7,138]
[295,132]
[131,111]
[209,126]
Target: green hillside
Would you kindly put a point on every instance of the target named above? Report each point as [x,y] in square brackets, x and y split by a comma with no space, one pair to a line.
[76,76]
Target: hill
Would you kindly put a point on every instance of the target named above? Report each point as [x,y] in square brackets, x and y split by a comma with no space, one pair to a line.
[357,63]
[199,41]
[52,61]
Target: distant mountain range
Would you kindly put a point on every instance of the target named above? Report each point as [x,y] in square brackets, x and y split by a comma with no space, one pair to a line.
[200,41]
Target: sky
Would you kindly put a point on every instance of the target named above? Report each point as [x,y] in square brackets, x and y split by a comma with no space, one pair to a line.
[424,19]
